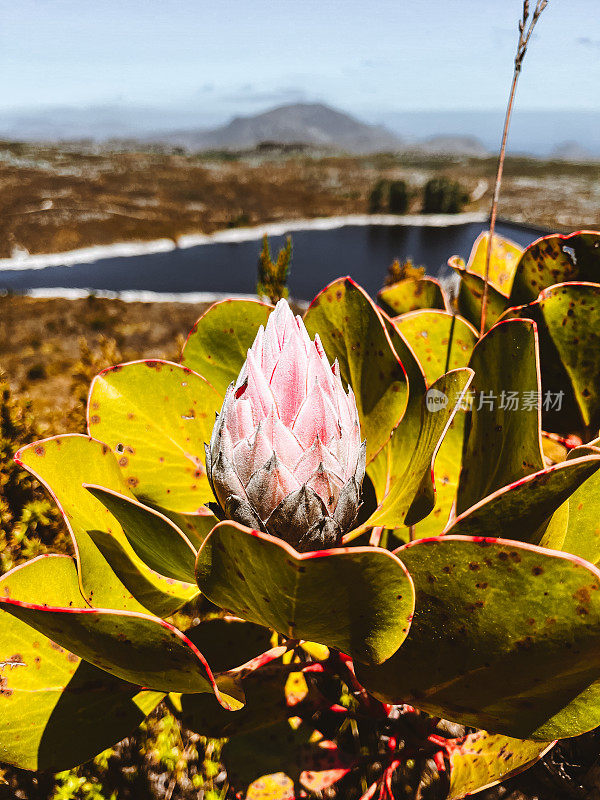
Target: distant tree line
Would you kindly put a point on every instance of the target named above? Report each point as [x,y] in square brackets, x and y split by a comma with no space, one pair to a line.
[441,195]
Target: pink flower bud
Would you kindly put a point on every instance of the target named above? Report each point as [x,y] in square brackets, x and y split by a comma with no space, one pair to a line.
[285,455]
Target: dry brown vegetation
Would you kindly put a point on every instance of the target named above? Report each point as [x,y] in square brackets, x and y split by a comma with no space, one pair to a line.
[54,199]
[51,348]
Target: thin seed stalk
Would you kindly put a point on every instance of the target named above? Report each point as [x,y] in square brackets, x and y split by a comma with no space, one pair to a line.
[524,36]
[496,197]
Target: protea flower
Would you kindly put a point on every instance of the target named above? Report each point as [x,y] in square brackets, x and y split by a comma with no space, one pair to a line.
[285,455]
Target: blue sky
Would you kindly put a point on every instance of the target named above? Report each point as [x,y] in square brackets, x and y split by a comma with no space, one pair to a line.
[240,56]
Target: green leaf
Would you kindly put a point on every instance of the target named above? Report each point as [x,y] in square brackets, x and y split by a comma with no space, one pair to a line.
[157,593]
[264,580]
[264,690]
[482,759]
[503,262]
[504,259]
[155,539]
[63,464]
[157,416]
[504,442]
[582,534]
[352,331]
[574,526]
[408,472]
[440,340]
[505,637]
[556,259]
[446,472]
[572,317]
[411,294]
[405,435]
[52,704]
[568,317]
[470,298]
[523,509]
[135,647]
[219,341]
[575,529]
[227,643]
[195,526]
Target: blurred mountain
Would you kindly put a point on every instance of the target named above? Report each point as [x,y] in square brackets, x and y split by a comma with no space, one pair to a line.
[313,124]
[571,135]
[572,151]
[453,146]
[532,132]
[95,122]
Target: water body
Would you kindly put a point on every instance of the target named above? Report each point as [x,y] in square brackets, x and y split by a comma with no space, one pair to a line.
[362,251]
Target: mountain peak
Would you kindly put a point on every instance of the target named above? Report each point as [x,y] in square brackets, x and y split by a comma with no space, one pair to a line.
[313,124]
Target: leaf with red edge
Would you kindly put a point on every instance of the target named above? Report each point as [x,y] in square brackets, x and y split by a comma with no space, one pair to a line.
[504,259]
[137,648]
[228,642]
[446,472]
[155,539]
[52,704]
[219,341]
[195,526]
[568,319]
[442,341]
[556,259]
[523,509]
[579,531]
[264,690]
[482,759]
[397,452]
[470,298]
[504,441]
[409,472]
[503,262]
[505,637]
[111,574]
[264,580]
[156,417]
[353,332]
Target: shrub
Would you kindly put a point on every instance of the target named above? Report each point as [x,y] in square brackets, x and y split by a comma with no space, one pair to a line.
[29,523]
[401,270]
[444,196]
[272,275]
[377,197]
[398,197]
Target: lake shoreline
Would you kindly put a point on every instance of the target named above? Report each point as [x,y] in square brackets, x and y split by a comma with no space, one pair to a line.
[88,255]
[136,296]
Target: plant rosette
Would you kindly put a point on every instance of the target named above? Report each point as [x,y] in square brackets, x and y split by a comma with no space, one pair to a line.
[306,512]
